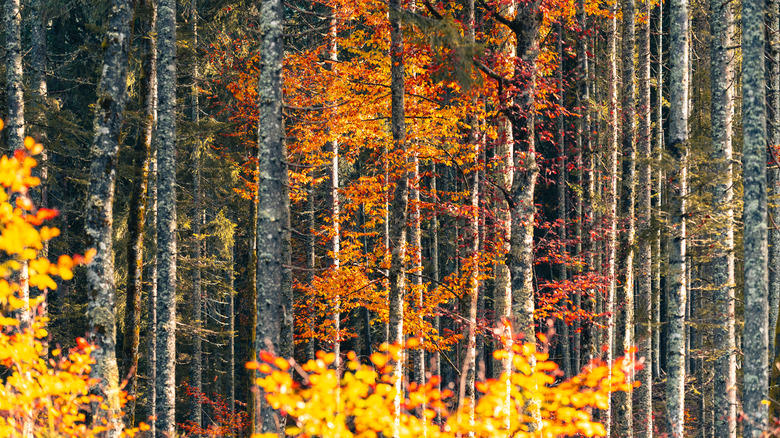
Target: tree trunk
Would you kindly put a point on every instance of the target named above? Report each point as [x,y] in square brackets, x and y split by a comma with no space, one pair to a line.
[272,203]
[773,173]
[643,426]
[138,203]
[252,396]
[101,289]
[415,242]
[755,217]
[198,216]
[563,338]
[399,206]
[677,177]
[624,298]
[14,123]
[166,220]
[722,266]
[612,203]
[658,148]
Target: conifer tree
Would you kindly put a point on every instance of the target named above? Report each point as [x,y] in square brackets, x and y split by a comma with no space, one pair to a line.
[101,308]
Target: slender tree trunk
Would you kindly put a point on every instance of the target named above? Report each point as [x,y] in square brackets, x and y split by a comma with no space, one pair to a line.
[415,243]
[138,206]
[335,207]
[101,289]
[773,173]
[399,205]
[755,218]
[612,203]
[14,123]
[624,298]
[150,6]
[252,396]
[166,220]
[658,148]
[198,219]
[676,278]
[722,266]
[272,203]
[643,426]
[563,340]
[503,177]
[232,325]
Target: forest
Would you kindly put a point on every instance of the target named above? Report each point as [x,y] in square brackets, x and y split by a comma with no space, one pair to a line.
[390,218]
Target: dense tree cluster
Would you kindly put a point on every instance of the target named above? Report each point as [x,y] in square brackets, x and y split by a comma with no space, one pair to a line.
[600,178]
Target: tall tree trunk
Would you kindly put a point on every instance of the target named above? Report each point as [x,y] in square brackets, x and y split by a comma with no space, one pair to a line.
[399,206]
[138,203]
[166,220]
[468,377]
[584,210]
[643,426]
[12,21]
[755,217]
[232,325]
[773,173]
[676,289]
[150,6]
[722,266]
[101,289]
[503,177]
[272,203]
[252,396]
[612,203]
[198,216]
[624,299]
[415,243]
[335,205]
[563,339]
[658,147]
[526,28]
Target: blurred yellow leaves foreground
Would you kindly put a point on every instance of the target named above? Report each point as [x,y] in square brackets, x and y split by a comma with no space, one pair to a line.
[42,393]
[531,402]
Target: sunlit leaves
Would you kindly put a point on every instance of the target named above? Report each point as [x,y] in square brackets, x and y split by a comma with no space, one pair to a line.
[364,407]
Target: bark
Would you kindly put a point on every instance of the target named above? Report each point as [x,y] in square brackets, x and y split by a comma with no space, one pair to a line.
[138,205]
[232,325]
[272,202]
[335,208]
[151,386]
[526,28]
[563,339]
[773,173]
[399,207]
[658,147]
[676,289]
[722,266]
[468,377]
[415,243]
[643,426]
[14,123]
[198,215]
[755,219]
[503,176]
[612,202]
[252,396]
[101,289]
[624,299]
[166,219]
[585,171]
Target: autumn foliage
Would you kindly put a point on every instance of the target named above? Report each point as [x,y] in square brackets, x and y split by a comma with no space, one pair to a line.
[44,394]
[360,403]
